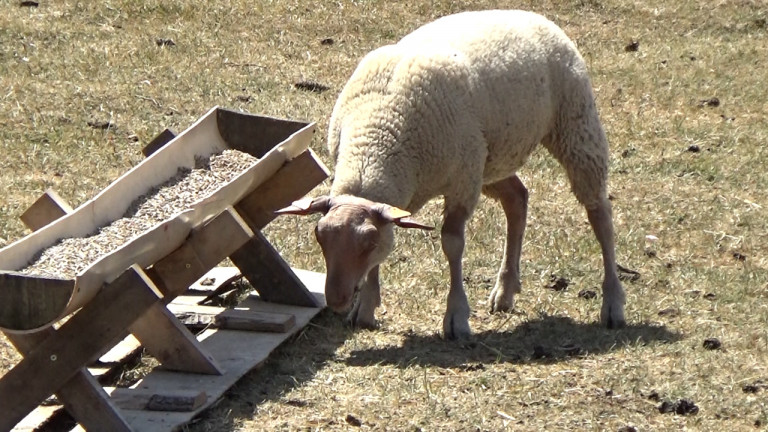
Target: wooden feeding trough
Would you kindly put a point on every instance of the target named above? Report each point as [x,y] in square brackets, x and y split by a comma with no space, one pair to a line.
[63,319]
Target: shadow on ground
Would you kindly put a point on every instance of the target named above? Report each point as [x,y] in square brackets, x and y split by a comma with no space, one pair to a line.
[546,339]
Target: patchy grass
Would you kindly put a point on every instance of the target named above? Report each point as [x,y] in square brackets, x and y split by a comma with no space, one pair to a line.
[684,169]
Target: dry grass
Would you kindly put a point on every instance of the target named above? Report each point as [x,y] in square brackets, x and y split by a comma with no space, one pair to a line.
[547,366]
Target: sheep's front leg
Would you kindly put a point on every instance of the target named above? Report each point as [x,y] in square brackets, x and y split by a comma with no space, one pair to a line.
[612,312]
[368,299]
[513,196]
[456,321]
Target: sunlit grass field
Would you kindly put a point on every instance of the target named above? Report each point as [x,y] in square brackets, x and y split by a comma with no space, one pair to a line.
[682,95]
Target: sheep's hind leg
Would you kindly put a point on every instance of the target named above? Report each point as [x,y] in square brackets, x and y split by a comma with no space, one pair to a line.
[513,196]
[456,321]
[368,299]
[612,312]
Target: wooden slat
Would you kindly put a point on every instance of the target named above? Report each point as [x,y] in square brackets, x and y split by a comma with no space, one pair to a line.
[171,343]
[294,180]
[49,207]
[205,247]
[167,400]
[57,359]
[233,319]
[158,142]
[270,275]
[216,278]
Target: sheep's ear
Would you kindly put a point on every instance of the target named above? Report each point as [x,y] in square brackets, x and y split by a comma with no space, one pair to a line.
[307,206]
[401,217]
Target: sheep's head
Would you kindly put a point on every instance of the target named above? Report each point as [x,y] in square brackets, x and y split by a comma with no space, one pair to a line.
[355,235]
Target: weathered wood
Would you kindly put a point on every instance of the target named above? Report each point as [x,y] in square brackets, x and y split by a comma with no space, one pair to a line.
[158,142]
[166,400]
[233,319]
[28,302]
[49,207]
[270,275]
[81,395]
[294,180]
[58,358]
[205,247]
[217,278]
[162,402]
[171,343]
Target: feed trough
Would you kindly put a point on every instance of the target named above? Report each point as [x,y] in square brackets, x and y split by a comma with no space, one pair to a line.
[119,265]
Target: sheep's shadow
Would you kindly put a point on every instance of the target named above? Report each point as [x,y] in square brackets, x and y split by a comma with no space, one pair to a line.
[546,339]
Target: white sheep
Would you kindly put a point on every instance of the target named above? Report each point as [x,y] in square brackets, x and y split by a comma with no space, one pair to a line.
[453,110]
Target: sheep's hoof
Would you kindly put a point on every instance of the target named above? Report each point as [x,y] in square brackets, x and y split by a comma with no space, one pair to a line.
[455,328]
[358,320]
[612,317]
[499,302]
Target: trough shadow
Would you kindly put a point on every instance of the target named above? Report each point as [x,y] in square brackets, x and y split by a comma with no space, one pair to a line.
[546,339]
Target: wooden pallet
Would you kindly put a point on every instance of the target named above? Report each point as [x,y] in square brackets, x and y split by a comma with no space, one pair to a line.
[143,301]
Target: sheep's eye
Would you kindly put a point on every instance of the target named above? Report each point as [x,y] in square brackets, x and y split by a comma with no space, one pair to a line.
[370,239]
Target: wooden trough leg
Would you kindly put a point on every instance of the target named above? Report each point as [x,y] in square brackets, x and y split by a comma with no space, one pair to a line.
[52,363]
[259,262]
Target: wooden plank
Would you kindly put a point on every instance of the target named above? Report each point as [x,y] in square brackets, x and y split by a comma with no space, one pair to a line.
[158,142]
[269,274]
[216,278]
[121,351]
[204,249]
[294,180]
[232,319]
[167,400]
[36,418]
[171,343]
[49,207]
[56,360]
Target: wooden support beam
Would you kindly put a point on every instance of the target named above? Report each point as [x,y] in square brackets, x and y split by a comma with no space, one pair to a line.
[82,395]
[205,248]
[57,359]
[270,275]
[49,207]
[175,347]
[294,180]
